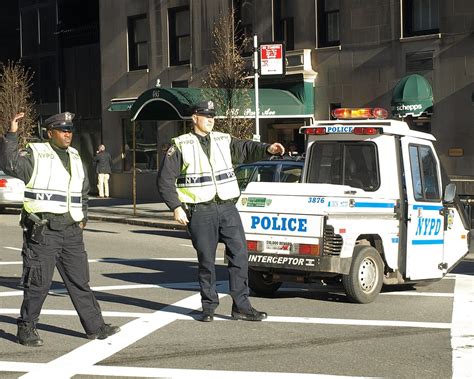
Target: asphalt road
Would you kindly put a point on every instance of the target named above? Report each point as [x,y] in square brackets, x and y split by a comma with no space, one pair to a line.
[145,281]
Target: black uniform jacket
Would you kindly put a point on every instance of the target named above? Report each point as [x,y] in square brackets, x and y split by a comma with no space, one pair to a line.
[242,151]
[20,164]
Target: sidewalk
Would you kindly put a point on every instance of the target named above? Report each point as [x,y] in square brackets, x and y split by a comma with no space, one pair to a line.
[121,210]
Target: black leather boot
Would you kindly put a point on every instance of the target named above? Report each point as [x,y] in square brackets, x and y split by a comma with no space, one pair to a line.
[28,335]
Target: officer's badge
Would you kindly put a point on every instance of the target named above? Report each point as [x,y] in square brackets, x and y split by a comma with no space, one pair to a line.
[210,105]
[171,151]
[68,116]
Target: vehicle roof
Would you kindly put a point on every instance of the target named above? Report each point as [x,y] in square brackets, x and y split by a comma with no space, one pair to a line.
[299,160]
[393,127]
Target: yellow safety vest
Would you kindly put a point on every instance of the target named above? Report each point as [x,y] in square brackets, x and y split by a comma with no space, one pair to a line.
[202,177]
[51,188]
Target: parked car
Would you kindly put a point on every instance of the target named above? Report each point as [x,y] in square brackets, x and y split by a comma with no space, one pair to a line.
[11,191]
[276,169]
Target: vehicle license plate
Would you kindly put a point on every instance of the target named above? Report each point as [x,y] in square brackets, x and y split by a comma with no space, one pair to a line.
[278,247]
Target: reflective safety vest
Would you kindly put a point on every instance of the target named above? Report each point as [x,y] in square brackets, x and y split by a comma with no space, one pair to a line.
[202,177]
[51,188]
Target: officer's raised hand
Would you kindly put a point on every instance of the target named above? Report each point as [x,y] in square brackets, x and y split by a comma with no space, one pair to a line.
[276,148]
[14,123]
[180,216]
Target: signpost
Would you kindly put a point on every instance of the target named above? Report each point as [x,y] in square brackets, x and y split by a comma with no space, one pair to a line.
[272,65]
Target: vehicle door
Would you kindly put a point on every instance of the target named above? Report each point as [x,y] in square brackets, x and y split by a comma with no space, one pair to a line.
[425,225]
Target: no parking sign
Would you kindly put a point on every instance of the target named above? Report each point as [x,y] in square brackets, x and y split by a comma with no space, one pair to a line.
[272,59]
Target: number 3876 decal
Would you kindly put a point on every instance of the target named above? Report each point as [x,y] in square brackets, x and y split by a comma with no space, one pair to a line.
[316,200]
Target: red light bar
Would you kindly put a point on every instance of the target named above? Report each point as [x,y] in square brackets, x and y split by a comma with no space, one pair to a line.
[380,113]
[318,131]
[359,113]
[3,183]
[365,131]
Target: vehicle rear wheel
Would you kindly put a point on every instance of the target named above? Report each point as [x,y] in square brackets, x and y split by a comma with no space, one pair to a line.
[261,283]
[365,278]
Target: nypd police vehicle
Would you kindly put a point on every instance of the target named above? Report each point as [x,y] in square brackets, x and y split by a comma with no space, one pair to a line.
[374,208]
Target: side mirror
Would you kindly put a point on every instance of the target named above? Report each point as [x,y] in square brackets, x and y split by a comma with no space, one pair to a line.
[449,193]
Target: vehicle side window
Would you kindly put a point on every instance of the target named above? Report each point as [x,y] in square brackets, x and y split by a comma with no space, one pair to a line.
[424,173]
[290,174]
[244,175]
[346,163]
[265,173]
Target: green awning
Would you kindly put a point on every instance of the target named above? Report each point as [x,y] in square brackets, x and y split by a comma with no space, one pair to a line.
[412,96]
[121,105]
[175,103]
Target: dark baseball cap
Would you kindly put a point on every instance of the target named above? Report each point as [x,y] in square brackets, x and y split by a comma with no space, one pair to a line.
[60,121]
[204,108]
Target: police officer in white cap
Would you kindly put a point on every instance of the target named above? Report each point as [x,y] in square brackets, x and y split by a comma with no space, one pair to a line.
[53,217]
[197,182]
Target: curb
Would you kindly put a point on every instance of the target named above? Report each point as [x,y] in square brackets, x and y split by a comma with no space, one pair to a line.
[138,221]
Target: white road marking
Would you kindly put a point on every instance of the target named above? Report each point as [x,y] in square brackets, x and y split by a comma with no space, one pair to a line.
[12,248]
[145,372]
[113,260]
[462,331]
[97,350]
[289,320]
[60,291]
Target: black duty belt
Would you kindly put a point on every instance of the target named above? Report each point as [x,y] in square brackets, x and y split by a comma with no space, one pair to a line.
[216,200]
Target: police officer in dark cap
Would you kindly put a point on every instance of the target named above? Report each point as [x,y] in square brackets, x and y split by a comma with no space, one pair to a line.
[197,182]
[54,215]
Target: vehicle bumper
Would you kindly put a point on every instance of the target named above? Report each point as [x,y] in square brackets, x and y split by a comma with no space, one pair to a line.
[328,264]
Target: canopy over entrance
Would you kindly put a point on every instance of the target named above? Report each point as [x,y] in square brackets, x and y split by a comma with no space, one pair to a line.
[176,103]
[412,96]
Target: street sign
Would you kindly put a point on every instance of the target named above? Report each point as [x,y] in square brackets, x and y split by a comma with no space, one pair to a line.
[272,59]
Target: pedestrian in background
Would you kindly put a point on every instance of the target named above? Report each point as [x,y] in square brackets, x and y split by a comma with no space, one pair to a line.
[103,168]
[53,217]
[197,182]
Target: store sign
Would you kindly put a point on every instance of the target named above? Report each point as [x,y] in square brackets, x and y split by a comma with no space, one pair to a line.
[272,59]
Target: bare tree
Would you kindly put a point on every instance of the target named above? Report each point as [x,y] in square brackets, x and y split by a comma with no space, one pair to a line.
[226,78]
[15,97]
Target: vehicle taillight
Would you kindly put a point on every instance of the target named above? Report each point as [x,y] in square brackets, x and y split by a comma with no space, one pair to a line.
[306,249]
[254,246]
[365,131]
[317,131]
[3,183]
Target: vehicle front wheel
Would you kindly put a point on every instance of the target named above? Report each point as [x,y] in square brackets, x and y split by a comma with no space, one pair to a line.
[261,283]
[365,278]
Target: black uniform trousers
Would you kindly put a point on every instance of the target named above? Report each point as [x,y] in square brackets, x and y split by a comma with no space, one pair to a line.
[220,222]
[63,249]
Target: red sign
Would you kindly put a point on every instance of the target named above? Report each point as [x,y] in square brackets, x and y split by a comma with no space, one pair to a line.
[272,59]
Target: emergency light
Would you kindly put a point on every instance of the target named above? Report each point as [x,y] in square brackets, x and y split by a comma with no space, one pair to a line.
[359,113]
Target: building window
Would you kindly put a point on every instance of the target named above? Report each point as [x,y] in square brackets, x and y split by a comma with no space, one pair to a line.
[243,26]
[284,25]
[420,17]
[328,23]
[179,36]
[138,42]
